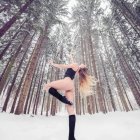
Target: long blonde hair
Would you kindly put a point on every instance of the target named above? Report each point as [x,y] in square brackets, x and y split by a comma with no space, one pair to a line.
[86,82]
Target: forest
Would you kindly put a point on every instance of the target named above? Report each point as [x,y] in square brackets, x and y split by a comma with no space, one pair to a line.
[103,34]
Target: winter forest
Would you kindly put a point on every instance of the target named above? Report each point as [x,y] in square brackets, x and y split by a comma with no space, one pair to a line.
[103,34]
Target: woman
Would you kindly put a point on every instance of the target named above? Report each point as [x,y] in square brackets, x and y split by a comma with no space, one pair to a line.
[67,85]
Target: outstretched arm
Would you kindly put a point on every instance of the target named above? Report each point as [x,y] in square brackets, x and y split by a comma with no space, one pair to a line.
[61,65]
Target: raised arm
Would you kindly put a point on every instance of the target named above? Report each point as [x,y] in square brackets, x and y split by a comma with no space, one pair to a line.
[74,66]
[63,66]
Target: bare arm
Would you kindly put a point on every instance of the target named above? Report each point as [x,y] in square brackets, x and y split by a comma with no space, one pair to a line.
[62,65]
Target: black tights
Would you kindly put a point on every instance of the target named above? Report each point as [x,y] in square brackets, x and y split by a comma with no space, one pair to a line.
[72,118]
[56,94]
[72,121]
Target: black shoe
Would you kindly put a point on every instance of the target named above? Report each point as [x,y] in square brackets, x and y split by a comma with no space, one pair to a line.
[56,94]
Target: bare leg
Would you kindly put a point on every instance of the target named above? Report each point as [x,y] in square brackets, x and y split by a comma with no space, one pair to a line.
[70,96]
[63,84]
[72,116]
[60,85]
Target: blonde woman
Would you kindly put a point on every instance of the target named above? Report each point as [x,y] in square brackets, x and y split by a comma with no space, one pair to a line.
[67,84]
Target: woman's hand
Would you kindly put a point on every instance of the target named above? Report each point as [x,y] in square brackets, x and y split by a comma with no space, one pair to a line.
[50,62]
[44,87]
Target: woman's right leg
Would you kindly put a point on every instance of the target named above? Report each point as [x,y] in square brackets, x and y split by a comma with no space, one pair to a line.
[56,94]
[51,88]
[72,116]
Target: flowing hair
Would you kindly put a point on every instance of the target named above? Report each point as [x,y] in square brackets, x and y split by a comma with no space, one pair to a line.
[86,82]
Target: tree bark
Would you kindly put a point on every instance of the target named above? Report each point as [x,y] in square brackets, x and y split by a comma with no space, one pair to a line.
[14,79]
[8,70]
[125,68]
[29,75]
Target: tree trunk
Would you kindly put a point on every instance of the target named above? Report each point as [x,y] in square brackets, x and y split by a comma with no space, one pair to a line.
[33,84]
[14,79]
[108,86]
[49,98]
[39,87]
[19,87]
[29,75]
[8,70]
[125,68]
[44,97]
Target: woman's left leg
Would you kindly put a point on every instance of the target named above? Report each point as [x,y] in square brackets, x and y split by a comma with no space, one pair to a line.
[56,94]
[72,117]
[63,84]
[60,85]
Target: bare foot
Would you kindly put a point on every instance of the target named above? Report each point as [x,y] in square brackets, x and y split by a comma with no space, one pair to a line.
[45,87]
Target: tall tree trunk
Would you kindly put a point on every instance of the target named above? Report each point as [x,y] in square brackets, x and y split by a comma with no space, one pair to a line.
[14,79]
[119,89]
[125,68]
[108,86]
[13,58]
[44,97]
[36,92]
[29,75]
[32,92]
[20,84]
[125,93]
[103,93]
[49,98]
[39,86]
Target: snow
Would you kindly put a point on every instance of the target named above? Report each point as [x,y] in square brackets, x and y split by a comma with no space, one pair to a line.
[110,126]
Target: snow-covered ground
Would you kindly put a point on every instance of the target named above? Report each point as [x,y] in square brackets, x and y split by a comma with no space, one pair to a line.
[112,126]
